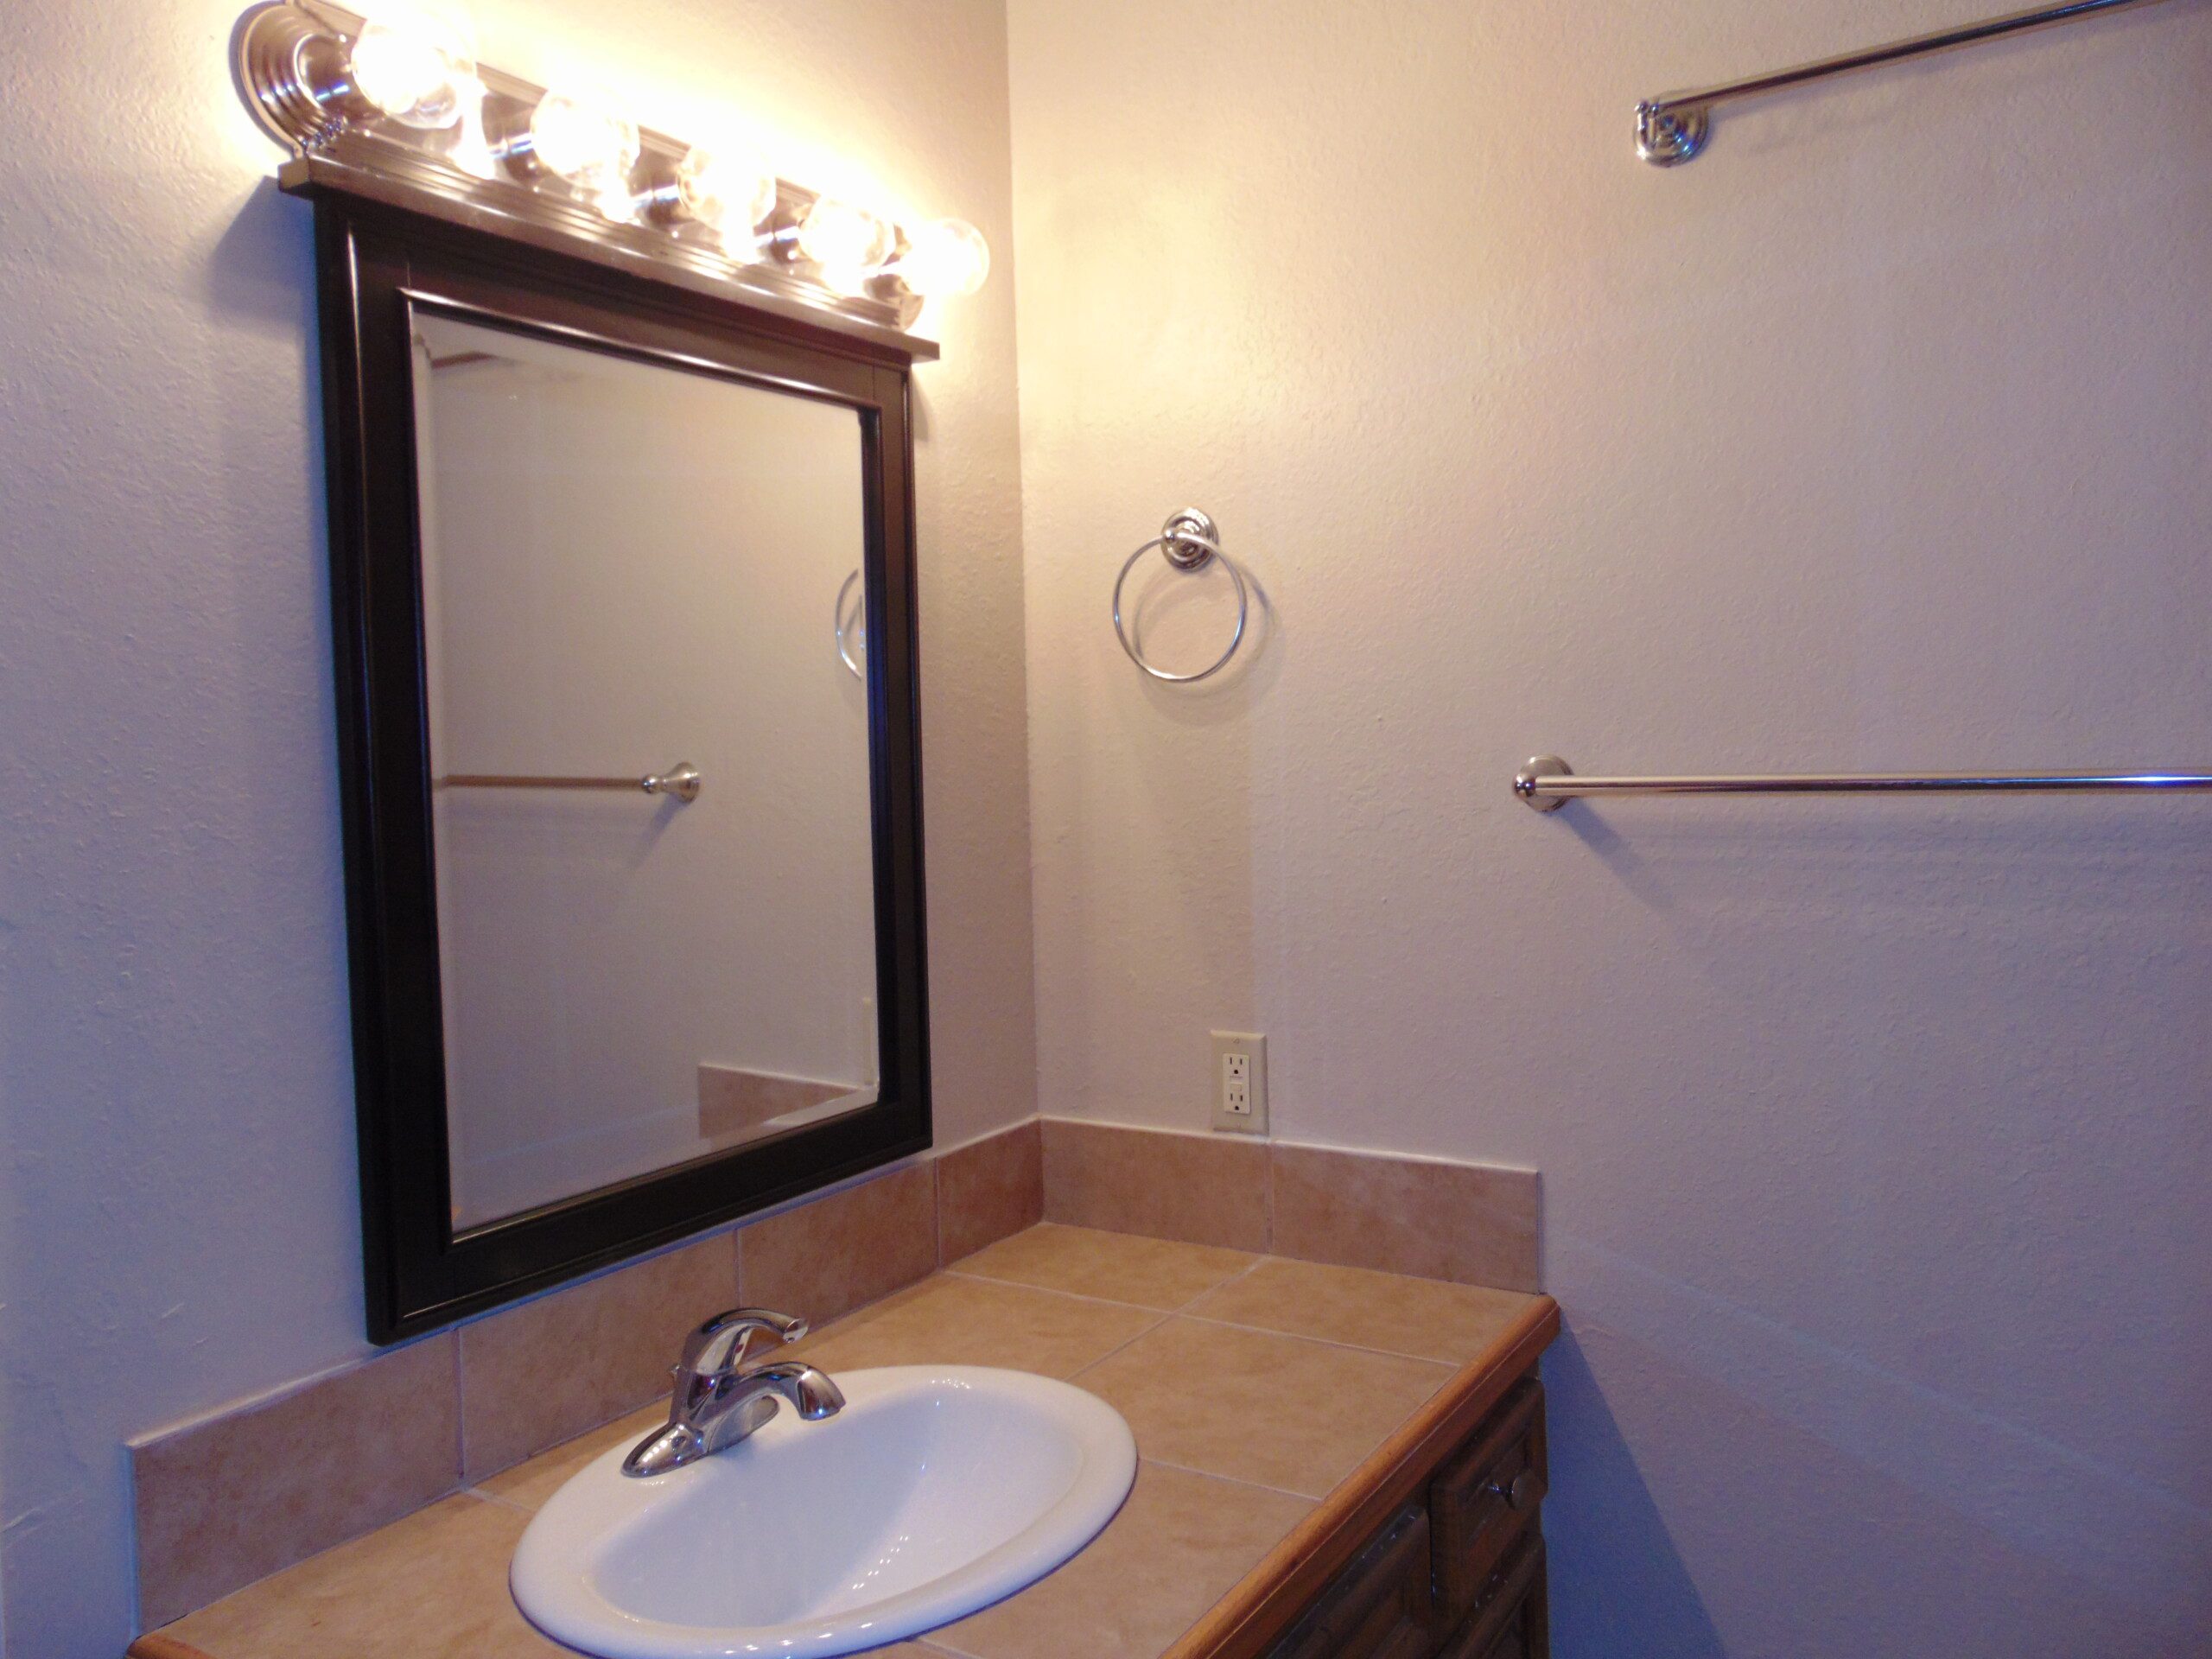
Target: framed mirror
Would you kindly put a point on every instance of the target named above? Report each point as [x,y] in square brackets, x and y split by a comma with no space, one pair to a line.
[622,582]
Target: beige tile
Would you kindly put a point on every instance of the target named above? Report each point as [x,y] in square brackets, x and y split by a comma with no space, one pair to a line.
[533,1481]
[432,1586]
[1466,1222]
[216,1510]
[949,1321]
[535,1376]
[1201,1189]
[988,1189]
[833,1254]
[1179,1544]
[1254,1406]
[1425,1318]
[1119,1267]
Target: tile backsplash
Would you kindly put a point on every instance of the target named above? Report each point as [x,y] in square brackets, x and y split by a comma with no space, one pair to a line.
[544,1371]
[216,1512]
[235,1497]
[1200,1189]
[1472,1223]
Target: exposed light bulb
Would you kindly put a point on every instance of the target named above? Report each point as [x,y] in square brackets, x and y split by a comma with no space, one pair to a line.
[849,280]
[582,134]
[844,239]
[470,150]
[418,66]
[945,258]
[727,190]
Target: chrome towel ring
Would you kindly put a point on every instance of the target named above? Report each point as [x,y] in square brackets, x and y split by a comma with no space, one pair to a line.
[1189,541]
[859,626]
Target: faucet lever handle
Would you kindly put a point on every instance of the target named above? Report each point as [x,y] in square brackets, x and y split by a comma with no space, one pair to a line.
[722,1343]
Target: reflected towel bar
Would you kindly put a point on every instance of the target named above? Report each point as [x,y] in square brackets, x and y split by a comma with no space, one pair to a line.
[1547,783]
[1674,129]
[682,780]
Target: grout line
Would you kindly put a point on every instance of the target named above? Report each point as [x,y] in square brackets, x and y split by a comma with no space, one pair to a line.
[1244,1272]
[1137,1337]
[1183,1311]
[1234,1480]
[828,1328]
[460,1414]
[496,1499]
[1268,1194]
[1323,1342]
[1054,1290]
[937,1211]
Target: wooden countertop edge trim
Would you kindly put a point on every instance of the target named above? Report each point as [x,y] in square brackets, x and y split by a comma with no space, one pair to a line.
[1264,1603]
[154,1645]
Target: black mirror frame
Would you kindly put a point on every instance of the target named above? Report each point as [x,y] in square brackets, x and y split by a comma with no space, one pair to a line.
[375,261]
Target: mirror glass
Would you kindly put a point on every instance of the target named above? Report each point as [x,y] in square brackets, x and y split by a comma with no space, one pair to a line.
[631,572]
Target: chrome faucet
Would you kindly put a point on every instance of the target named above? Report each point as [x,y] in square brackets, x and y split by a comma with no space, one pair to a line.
[719,1400]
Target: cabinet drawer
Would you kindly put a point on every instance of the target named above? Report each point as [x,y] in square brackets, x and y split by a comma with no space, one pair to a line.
[1378,1607]
[1513,1621]
[1484,1498]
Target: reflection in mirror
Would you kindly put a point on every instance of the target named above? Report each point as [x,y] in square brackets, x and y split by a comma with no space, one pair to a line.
[627,567]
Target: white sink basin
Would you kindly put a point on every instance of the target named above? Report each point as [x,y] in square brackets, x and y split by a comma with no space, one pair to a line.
[939,1489]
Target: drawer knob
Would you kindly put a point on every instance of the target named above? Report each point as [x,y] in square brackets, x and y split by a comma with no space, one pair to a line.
[1522,1493]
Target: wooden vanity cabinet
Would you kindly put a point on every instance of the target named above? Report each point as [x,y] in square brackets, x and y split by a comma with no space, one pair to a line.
[1381,1605]
[1458,1572]
[1513,1621]
[1484,1498]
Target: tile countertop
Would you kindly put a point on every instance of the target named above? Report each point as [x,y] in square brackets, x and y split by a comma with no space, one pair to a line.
[1310,1370]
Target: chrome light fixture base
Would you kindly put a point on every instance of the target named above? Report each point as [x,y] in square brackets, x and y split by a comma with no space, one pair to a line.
[292,62]
[292,73]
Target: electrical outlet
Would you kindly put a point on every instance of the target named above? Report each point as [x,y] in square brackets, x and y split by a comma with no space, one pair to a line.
[1240,1082]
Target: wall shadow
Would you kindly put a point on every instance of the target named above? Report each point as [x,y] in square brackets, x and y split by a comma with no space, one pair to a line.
[1618,1585]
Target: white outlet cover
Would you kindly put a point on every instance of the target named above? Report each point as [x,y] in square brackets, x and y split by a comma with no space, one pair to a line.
[1225,1122]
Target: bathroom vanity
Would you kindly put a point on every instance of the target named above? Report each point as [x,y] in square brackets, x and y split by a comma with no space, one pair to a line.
[1378,1492]
[1455,1572]
[622,527]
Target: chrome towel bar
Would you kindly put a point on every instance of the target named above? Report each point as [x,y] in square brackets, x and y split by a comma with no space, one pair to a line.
[681,780]
[1674,129]
[1547,783]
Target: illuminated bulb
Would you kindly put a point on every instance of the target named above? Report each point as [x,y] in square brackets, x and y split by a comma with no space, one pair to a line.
[845,240]
[416,66]
[849,280]
[471,150]
[946,259]
[726,190]
[582,134]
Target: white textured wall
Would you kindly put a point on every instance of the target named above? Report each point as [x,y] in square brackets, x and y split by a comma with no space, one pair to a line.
[178,1217]
[1875,1136]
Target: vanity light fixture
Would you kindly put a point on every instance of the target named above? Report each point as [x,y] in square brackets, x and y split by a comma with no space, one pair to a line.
[580,133]
[847,244]
[397,104]
[724,188]
[945,258]
[418,68]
